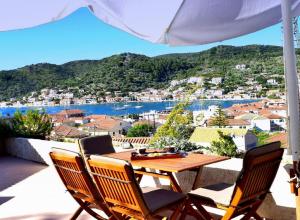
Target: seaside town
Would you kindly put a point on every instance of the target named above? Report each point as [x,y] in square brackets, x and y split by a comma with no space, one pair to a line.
[265,116]
[248,124]
[208,88]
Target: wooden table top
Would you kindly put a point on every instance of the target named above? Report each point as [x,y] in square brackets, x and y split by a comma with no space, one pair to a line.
[191,161]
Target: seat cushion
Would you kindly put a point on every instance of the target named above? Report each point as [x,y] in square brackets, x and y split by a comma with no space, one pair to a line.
[159,198]
[213,195]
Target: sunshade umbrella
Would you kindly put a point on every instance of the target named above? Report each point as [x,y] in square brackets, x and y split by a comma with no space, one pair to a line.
[178,22]
[174,22]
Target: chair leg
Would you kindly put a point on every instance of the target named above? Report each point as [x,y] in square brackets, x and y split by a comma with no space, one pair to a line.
[183,213]
[229,213]
[77,213]
[85,206]
[177,211]
[201,211]
[252,214]
[256,216]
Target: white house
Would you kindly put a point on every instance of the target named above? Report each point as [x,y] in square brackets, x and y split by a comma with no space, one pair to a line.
[243,138]
[272,82]
[257,121]
[200,117]
[217,80]
[240,66]
[261,123]
[196,80]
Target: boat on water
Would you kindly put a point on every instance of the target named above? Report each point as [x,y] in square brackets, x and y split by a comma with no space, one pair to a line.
[120,108]
[126,105]
[138,106]
[169,107]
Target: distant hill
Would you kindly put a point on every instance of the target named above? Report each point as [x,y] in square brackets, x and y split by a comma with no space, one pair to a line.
[132,72]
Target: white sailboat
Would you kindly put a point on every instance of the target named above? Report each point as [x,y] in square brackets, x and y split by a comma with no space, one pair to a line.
[169,107]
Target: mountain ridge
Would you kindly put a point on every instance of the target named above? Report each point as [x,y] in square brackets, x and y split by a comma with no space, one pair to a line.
[127,72]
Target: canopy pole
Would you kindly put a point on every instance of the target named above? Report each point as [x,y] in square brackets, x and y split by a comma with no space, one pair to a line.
[292,90]
[291,79]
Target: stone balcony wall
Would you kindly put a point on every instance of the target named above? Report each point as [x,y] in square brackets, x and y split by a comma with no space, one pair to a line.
[278,205]
[35,149]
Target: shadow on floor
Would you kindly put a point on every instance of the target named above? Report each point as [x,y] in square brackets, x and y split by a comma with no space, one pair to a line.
[14,170]
[4,199]
[44,216]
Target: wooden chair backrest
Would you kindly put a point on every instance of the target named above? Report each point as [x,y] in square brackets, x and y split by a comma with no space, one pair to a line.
[115,179]
[260,166]
[96,145]
[73,174]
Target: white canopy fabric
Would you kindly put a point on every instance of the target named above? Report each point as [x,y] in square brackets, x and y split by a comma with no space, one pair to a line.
[173,22]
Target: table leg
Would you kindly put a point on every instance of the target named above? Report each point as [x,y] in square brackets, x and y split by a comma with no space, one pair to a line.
[175,186]
[139,176]
[197,178]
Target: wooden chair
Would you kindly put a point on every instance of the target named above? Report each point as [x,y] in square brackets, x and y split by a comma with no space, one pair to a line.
[119,188]
[96,145]
[99,145]
[79,184]
[260,166]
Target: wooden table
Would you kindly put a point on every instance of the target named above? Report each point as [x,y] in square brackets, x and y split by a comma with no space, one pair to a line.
[166,167]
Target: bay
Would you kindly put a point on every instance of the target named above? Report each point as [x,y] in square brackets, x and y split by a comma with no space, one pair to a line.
[119,109]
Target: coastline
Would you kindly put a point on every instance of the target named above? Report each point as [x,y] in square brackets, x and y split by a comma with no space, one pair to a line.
[162,101]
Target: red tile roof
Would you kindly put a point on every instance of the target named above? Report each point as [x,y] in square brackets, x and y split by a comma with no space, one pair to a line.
[233,122]
[97,117]
[70,112]
[272,116]
[68,131]
[282,137]
[106,124]
[61,120]
[142,122]
[237,122]
[76,118]
[133,140]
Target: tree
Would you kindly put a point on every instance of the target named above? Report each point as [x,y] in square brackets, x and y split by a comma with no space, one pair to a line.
[225,146]
[142,130]
[177,124]
[219,118]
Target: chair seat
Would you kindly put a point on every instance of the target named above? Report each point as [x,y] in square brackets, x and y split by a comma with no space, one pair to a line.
[214,195]
[158,198]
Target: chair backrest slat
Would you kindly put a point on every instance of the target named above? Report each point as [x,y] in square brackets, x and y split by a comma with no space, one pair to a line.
[115,179]
[259,170]
[71,170]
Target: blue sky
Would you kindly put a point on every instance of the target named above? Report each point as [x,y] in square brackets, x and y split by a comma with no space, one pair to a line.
[83,36]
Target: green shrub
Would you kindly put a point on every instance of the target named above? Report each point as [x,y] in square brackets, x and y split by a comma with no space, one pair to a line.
[33,124]
[262,136]
[225,146]
[142,130]
[179,144]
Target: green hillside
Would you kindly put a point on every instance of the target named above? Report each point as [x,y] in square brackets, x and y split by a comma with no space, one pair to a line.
[132,72]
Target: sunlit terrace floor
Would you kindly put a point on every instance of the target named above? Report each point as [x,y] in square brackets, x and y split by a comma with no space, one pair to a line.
[30,190]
